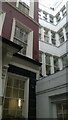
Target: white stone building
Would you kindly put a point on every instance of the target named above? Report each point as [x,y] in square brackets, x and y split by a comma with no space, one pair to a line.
[52,88]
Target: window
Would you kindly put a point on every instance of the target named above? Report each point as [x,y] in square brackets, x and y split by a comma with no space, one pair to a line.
[62,111]
[44,15]
[58,18]
[63,11]
[24,8]
[40,60]
[51,19]
[65,60]
[53,38]
[14,97]
[39,33]
[39,36]
[48,66]
[66,31]
[61,37]
[21,37]
[40,57]
[39,13]
[46,36]
[56,66]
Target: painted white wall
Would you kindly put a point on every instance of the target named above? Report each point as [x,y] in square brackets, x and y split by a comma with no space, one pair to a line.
[47,87]
[53,50]
[53,27]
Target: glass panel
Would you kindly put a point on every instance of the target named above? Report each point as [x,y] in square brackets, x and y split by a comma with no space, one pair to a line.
[5,113]
[6,104]
[22,84]
[21,94]
[64,60]
[16,83]
[19,113]
[48,70]
[47,59]
[9,81]
[12,106]
[8,92]
[15,93]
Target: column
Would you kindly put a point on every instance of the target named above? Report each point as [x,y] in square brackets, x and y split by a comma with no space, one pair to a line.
[43,64]
[60,63]
[29,50]
[42,33]
[48,18]
[31,10]
[57,39]
[64,33]
[17,3]
[49,34]
[52,64]
[61,15]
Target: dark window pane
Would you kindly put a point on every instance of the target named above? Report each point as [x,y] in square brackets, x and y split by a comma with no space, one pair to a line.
[21,94]
[8,92]
[16,83]
[9,81]
[15,93]
[6,103]
[21,84]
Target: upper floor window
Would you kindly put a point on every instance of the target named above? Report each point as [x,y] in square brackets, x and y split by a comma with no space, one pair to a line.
[21,37]
[63,11]
[51,19]
[40,60]
[39,33]
[23,7]
[40,56]
[46,36]
[65,60]
[48,66]
[58,18]
[44,15]
[53,38]
[39,13]
[61,37]
[56,65]
[66,31]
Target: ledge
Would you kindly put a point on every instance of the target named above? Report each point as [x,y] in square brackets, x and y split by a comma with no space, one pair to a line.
[21,56]
[10,43]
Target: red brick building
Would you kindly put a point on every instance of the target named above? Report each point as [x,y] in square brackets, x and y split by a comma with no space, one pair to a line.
[19,62]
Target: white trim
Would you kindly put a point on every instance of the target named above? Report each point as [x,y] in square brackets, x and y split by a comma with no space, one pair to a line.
[26,98]
[13,29]
[29,51]
[17,3]
[2,18]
